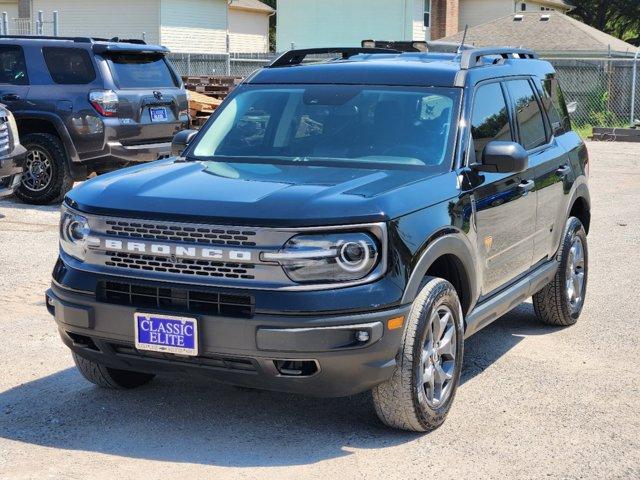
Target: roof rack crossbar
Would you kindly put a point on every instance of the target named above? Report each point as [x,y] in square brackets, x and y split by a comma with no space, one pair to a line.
[296,57]
[471,58]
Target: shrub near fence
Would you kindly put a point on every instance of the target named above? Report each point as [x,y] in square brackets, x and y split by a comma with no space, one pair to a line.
[601,87]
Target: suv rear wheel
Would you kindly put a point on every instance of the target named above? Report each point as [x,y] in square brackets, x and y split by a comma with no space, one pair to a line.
[560,302]
[46,178]
[112,378]
[419,394]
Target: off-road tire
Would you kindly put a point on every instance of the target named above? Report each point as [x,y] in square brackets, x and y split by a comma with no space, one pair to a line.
[61,181]
[551,304]
[397,401]
[111,378]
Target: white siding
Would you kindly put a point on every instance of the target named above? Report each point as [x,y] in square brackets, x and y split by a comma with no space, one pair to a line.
[341,23]
[194,26]
[249,31]
[419,30]
[121,18]
[11,7]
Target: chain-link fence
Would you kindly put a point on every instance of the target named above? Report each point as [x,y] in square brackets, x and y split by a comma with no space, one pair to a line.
[601,90]
[236,64]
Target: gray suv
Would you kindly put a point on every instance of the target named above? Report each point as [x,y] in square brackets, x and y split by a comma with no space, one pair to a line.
[87,105]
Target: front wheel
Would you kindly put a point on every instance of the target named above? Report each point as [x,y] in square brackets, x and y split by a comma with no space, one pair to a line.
[419,394]
[560,302]
[111,378]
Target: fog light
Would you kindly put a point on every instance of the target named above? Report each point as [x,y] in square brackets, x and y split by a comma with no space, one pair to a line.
[362,336]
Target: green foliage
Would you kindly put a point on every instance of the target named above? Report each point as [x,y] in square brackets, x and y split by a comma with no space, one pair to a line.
[620,18]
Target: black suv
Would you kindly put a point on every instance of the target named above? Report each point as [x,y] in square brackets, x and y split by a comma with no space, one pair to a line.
[336,227]
[86,105]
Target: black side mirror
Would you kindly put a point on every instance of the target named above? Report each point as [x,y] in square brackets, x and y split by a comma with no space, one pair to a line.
[503,157]
[181,140]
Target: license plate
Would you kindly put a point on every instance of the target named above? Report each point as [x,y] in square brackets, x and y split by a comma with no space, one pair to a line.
[158,114]
[166,333]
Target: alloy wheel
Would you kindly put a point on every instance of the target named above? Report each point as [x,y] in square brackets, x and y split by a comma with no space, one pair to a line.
[574,280]
[38,171]
[438,357]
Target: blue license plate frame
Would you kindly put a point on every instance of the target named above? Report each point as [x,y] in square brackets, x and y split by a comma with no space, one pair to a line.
[158,114]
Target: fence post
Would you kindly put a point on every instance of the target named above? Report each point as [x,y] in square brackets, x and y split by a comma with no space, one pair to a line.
[40,23]
[55,23]
[188,64]
[634,76]
[5,23]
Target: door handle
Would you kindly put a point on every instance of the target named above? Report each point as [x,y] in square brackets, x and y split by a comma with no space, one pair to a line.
[11,97]
[563,170]
[526,186]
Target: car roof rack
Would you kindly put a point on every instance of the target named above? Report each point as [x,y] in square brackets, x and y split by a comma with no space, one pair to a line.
[472,58]
[296,57]
[136,41]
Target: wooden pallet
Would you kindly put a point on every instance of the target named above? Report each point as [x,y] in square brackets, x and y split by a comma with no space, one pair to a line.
[201,107]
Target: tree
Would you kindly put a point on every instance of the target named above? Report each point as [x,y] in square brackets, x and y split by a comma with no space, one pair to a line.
[620,18]
[272,24]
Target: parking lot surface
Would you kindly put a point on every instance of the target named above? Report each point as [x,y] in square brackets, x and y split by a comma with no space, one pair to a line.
[535,401]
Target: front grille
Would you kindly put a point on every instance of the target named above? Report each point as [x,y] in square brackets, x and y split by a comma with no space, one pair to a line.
[176,299]
[181,233]
[185,266]
[5,139]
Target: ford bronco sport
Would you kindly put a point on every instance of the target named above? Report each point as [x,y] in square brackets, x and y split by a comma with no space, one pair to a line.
[87,105]
[336,227]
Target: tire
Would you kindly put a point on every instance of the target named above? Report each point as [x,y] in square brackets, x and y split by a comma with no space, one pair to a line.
[111,378]
[46,178]
[557,303]
[403,402]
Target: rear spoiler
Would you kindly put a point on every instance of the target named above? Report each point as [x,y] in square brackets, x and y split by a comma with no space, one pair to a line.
[101,48]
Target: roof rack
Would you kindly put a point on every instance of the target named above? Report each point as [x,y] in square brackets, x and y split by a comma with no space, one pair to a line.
[136,41]
[296,57]
[471,58]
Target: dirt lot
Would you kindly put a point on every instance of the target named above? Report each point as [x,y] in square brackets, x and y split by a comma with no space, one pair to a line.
[535,401]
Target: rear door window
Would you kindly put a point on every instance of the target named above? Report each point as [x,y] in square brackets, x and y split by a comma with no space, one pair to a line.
[13,68]
[528,114]
[136,70]
[490,118]
[69,66]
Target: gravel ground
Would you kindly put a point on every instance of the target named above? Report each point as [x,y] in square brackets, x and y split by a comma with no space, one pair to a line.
[534,402]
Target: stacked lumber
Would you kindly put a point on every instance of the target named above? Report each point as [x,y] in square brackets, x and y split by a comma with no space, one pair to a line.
[206,92]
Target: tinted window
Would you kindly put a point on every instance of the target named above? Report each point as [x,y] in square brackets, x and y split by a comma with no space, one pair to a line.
[69,66]
[490,119]
[555,104]
[13,68]
[528,114]
[335,123]
[135,70]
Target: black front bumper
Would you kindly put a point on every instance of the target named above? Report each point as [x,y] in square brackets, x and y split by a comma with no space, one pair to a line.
[254,352]
[11,167]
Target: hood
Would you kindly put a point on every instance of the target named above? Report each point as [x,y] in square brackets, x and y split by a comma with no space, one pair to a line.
[257,194]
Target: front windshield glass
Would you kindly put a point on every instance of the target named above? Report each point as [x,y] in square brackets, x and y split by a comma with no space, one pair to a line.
[349,124]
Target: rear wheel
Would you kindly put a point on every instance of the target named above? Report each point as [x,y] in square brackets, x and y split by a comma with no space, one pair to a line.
[112,378]
[419,394]
[46,178]
[561,301]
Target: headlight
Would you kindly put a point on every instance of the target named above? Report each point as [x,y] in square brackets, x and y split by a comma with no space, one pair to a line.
[74,231]
[328,258]
[13,126]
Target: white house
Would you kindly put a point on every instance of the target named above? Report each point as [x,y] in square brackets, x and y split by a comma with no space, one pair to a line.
[331,23]
[187,26]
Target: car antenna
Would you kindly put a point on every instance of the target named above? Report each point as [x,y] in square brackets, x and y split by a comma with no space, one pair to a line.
[464,37]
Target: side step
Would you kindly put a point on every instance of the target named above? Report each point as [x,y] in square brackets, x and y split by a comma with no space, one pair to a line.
[506,300]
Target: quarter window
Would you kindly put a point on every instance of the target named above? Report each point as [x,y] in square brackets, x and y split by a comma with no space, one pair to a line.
[13,68]
[69,66]
[490,119]
[528,114]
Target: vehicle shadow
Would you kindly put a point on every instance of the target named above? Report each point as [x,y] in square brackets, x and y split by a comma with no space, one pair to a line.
[15,204]
[180,420]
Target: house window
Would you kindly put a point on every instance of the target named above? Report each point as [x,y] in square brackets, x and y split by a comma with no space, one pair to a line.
[523,7]
[427,13]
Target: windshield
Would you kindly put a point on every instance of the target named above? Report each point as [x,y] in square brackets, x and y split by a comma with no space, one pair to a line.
[138,70]
[410,127]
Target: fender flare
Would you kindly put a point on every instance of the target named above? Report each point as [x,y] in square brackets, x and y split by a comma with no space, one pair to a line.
[455,244]
[62,131]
